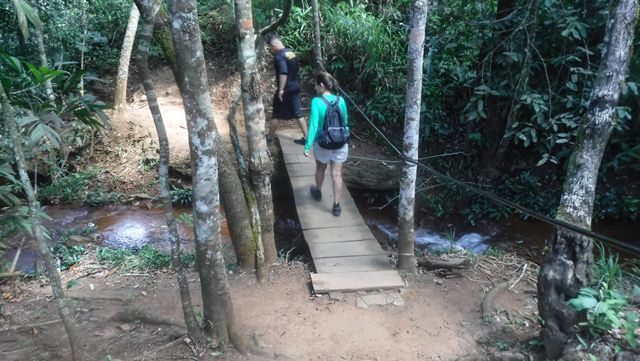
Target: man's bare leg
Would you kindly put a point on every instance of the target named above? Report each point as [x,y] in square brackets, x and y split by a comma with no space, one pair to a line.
[303,126]
[273,126]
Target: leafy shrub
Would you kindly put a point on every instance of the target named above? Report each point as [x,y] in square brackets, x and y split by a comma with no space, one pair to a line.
[145,259]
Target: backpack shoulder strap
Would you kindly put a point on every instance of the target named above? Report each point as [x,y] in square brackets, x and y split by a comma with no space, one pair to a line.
[324,100]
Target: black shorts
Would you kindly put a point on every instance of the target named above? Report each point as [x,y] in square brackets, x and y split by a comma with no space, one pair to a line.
[289,107]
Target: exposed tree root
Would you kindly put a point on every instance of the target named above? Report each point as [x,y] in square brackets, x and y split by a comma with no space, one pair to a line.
[30,326]
[11,275]
[498,356]
[132,315]
[175,343]
[488,304]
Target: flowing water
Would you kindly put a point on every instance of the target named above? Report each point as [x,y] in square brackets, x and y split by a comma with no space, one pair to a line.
[134,227]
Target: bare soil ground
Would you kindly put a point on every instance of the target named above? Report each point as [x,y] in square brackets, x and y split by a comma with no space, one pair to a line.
[128,316]
[131,316]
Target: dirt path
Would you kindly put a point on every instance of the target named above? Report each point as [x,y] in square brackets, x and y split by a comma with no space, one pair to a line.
[439,318]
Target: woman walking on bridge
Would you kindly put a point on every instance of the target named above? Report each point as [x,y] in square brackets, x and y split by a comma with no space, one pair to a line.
[329,136]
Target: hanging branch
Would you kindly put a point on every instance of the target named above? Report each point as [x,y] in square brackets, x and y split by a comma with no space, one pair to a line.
[281,20]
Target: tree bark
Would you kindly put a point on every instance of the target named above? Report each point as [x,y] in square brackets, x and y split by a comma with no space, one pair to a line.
[494,162]
[260,164]
[235,208]
[406,236]
[317,44]
[62,302]
[149,8]
[203,136]
[493,127]
[567,266]
[249,194]
[120,97]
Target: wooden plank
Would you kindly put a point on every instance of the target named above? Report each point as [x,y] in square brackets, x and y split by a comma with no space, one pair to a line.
[338,234]
[301,169]
[293,158]
[367,247]
[314,214]
[355,281]
[352,264]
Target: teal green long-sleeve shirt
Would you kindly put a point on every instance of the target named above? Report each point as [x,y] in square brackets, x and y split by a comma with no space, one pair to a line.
[316,119]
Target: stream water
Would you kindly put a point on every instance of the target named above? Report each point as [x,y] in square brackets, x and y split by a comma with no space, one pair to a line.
[134,227]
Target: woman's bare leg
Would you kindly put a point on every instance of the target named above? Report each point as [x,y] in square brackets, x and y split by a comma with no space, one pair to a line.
[336,175]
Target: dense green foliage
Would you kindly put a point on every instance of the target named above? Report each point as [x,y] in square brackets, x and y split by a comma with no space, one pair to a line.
[521,84]
[505,89]
[607,302]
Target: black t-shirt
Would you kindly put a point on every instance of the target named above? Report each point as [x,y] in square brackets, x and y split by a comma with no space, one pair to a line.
[286,63]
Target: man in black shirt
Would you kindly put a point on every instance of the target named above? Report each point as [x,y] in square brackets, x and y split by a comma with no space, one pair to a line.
[286,100]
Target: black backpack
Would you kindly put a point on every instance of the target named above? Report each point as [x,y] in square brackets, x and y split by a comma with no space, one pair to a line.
[334,134]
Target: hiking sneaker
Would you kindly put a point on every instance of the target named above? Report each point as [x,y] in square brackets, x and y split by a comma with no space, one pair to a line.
[316,193]
[301,141]
[336,209]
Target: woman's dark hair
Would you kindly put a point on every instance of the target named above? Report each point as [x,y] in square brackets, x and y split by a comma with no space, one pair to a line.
[329,82]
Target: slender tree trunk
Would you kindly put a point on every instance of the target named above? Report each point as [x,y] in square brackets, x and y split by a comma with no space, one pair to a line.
[85,26]
[42,53]
[494,162]
[233,202]
[149,8]
[567,266]
[406,236]
[120,97]
[493,127]
[203,136]
[249,195]
[317,44]
[38,232]
[260,164]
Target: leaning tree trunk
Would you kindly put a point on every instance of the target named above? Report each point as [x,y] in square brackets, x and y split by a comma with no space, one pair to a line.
[149,8]
[493,127]
[42,54]
[317,44]
[37,229]
[567,265]
[235,208]
[120,97]
[260,164]
[203,136]
[406,236]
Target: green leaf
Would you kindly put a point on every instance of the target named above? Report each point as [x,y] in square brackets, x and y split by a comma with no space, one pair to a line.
[581,303]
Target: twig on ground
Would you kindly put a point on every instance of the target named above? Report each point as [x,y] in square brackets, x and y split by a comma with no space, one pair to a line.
[30,326]
[524,269]
[15,258]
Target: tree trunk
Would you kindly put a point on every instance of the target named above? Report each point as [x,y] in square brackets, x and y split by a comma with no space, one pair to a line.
[42,54]
[235,207]
[203,136]
[317,44]
[286,11]
[567,266]
[260,164]
[494,162]
[120,97]
[62,302]
[149,8]
[406,236]
[493,127]
[249,195]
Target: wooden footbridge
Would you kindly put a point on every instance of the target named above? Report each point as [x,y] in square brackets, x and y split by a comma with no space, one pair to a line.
[345,253]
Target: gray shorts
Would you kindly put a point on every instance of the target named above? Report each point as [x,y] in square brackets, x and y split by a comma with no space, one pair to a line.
[324,156]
